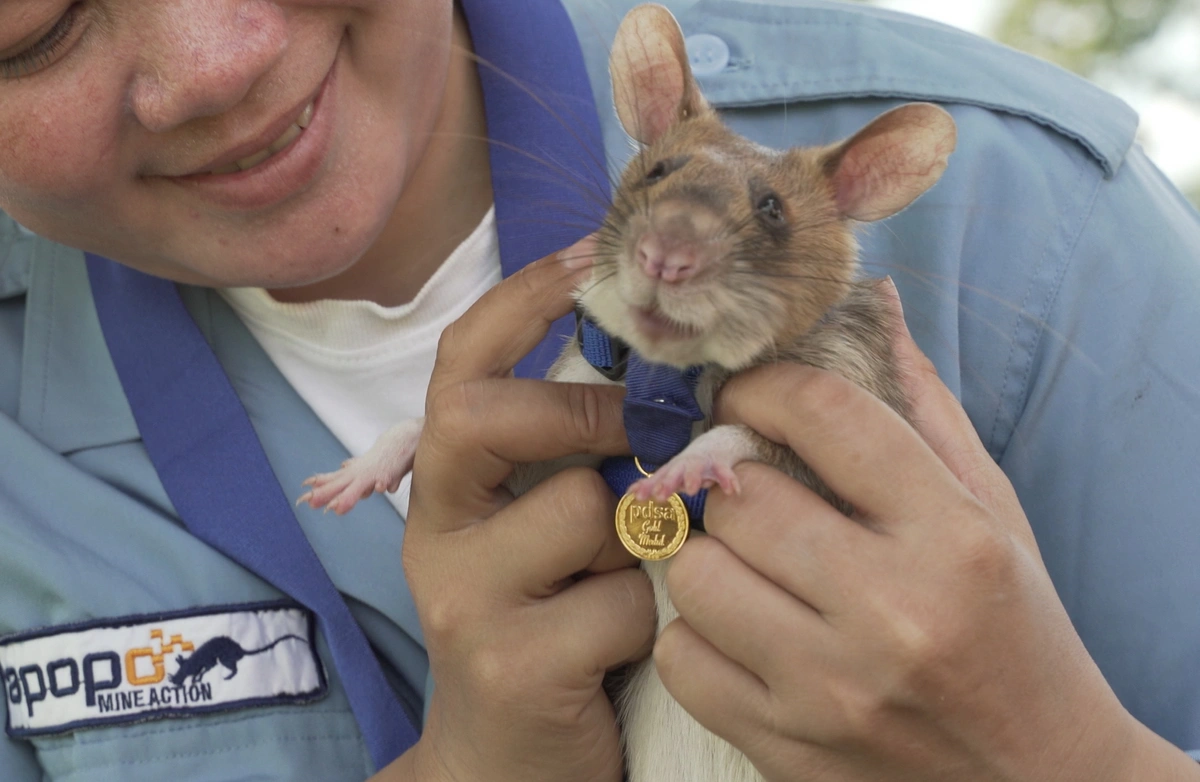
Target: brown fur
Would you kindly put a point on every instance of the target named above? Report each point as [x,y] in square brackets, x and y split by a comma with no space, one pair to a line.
[769,285]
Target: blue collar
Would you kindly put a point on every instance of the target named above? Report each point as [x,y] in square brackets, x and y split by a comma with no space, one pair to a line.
[660,400]
[660,408]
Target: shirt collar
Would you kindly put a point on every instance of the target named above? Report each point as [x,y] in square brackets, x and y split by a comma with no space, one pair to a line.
[16,248]
[70,396]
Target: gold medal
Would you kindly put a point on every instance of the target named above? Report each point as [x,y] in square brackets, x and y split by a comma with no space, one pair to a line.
[650,529]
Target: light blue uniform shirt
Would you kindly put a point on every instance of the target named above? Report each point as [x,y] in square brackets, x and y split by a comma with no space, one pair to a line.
[1053,276]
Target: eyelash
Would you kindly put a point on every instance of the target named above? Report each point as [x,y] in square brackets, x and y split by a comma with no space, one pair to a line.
[41,53]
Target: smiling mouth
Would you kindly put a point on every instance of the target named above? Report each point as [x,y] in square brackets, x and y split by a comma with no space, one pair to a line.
[285,140]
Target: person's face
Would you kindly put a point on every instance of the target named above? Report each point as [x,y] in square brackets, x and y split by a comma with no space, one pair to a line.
[123,124]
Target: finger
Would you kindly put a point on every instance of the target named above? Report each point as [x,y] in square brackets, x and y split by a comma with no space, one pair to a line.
[939,417]
[749,619]
[562,527]
[510,319]
[475,431]
[861,448]
[720,694]
[610,619]
[791,536]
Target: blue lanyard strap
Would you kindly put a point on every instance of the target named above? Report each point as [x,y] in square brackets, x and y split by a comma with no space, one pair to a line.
[660,408]
[214,470]
[549,172]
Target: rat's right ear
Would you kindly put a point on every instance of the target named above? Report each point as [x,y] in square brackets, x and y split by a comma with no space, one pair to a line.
[652,81]
[886,165]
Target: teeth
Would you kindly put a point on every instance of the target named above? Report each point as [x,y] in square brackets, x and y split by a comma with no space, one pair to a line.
[291,134]
[288,137]
[254,160]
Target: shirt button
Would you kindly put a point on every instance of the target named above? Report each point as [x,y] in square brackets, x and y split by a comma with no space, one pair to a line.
[707,53]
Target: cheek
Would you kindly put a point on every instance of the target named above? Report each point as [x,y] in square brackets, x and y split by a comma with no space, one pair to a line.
[60,141]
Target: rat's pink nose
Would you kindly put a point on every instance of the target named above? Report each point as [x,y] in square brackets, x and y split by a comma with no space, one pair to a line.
[666,258]
[682,238]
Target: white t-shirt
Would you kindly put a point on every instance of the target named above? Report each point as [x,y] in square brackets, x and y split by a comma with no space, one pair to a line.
[362,367]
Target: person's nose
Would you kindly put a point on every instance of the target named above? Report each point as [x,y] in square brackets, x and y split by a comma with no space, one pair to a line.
[200,58]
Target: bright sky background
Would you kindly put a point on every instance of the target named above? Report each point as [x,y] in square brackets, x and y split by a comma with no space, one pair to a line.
[1170,126]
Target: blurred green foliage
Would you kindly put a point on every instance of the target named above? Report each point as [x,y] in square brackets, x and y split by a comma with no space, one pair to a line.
[1110,42]
[1088,36]
[1107,39]
[1080,34]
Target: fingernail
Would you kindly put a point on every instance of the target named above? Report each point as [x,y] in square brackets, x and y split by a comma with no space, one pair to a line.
[579,255]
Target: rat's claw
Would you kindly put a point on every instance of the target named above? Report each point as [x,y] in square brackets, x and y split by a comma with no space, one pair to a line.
[687,473]
[380,469]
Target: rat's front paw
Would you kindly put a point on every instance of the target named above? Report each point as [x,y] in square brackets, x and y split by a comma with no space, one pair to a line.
[687,474]
[357,479]
[708,461]
[378,470]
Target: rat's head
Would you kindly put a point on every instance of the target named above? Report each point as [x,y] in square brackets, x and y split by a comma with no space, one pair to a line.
[716,248]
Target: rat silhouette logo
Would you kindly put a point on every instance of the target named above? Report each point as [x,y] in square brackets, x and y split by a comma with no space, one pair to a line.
[104,672]
[223,650]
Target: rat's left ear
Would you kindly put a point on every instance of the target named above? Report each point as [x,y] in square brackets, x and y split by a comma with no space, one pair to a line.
[886,165]
[652,81]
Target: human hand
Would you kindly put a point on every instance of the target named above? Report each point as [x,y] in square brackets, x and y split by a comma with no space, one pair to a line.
[925,643]
[519,644]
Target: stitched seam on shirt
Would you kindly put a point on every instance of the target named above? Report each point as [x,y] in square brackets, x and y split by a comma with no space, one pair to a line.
[1021,375]
[184,725]
[48,347]
[878,87]
[1051,298]
[220,750]
[773,15]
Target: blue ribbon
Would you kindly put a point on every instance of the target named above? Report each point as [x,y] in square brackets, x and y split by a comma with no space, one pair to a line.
[660,409]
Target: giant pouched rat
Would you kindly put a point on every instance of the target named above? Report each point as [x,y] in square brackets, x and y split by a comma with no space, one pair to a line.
[718,252]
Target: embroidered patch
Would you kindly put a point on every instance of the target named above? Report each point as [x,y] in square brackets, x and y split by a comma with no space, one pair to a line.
[138,668]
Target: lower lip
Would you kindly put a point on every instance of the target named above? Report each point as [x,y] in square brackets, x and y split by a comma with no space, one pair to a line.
[657,328]
[285,174]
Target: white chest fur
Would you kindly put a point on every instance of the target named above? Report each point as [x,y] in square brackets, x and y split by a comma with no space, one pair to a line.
[663,743]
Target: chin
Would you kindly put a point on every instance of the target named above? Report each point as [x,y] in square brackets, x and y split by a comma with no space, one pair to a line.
[714,347]
[672,352]
[313,243]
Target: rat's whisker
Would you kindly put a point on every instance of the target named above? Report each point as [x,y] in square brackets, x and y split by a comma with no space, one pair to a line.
[597,163]
[930,281]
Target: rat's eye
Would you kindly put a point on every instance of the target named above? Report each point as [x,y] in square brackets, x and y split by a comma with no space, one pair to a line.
[770,207]
[663,169]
